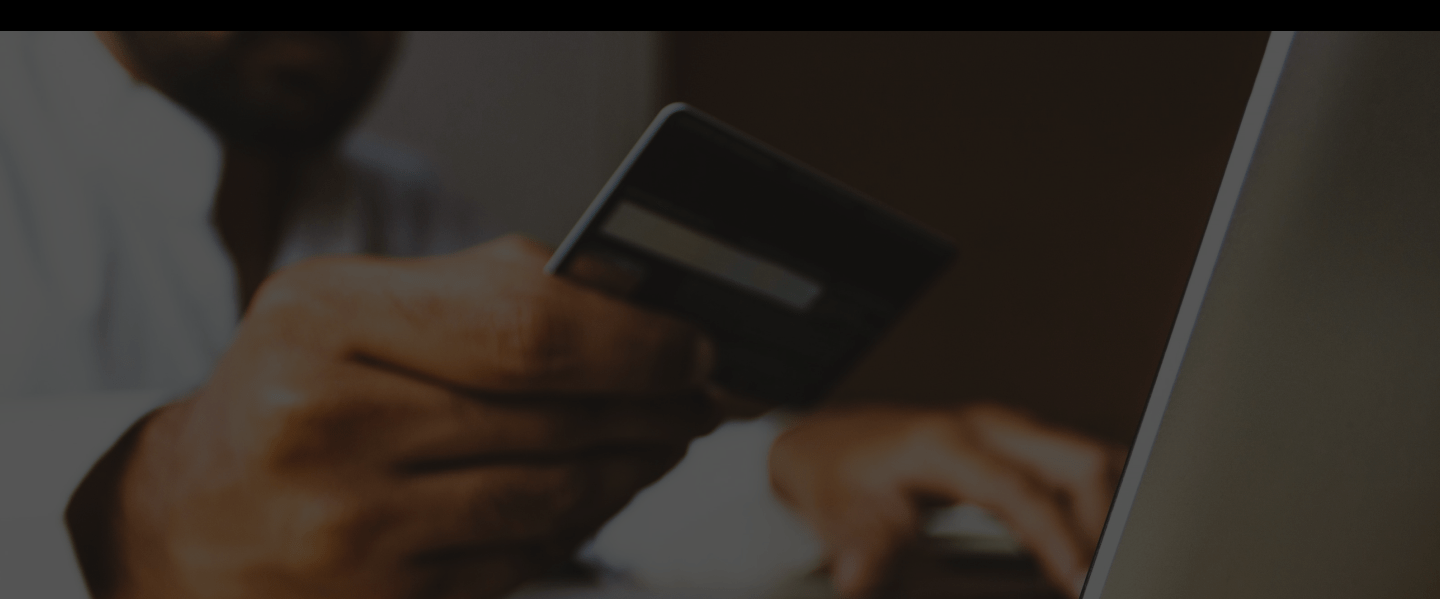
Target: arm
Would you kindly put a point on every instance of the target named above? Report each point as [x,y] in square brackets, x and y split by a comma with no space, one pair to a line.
[861,476]
[390,428]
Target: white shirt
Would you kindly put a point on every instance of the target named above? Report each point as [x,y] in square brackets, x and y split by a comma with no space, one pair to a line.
[116,295]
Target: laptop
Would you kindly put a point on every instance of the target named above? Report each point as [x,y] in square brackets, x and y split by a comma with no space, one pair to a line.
[1291,443]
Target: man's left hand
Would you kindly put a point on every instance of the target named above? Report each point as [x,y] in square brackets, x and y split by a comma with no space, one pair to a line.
[861,475]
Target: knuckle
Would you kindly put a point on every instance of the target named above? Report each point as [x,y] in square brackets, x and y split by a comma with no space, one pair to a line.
[314,427]
[294,446]
[289,298]
[533,341]
[304,293]
[1005,489]
[935,434]
[293,284]
[334,535]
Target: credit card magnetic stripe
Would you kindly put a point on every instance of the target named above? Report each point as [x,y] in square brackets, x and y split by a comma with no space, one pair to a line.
[647,230]
[792,275]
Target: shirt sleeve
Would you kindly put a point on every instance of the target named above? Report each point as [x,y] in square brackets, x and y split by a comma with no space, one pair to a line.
[47,446]
[713,522]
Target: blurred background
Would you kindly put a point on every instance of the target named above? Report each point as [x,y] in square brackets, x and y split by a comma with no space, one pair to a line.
[1075,172]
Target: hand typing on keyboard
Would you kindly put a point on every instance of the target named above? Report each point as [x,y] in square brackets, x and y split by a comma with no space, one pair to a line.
[864,478]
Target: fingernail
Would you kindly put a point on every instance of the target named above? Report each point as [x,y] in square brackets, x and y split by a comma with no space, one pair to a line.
[704,361]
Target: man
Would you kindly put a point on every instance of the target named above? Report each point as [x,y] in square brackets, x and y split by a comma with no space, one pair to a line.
[373,427]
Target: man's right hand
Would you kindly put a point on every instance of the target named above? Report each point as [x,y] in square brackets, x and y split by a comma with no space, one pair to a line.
[407,428]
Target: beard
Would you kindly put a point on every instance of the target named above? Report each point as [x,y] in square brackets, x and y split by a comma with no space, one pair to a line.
[279,92]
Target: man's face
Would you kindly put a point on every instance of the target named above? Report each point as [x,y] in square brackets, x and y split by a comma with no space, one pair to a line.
[289,92]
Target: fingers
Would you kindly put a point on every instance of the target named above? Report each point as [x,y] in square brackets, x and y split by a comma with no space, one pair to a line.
[505,520]
[1028,475]
[479,573]
[483,432]
[487,319]
[1029,509]
[867,541]
[418,427]
[831,470]
[354,413]
[1083,469]
[607,275]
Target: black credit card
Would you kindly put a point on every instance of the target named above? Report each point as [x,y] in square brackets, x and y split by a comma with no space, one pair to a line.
[792,274]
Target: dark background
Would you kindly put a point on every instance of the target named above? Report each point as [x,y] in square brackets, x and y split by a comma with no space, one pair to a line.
[1074,170]
[1075,173]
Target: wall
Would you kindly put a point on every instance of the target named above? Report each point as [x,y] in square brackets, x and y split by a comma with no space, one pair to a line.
[528,124]
[1074,171]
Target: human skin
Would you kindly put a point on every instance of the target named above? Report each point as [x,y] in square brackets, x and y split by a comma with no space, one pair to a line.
[308,467]
[431,427]
[861,476]
[384,428]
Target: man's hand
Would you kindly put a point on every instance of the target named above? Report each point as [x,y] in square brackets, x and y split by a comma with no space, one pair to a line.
[860,476]
[440,427]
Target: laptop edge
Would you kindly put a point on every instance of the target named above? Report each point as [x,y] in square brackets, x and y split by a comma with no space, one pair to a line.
[1236,170]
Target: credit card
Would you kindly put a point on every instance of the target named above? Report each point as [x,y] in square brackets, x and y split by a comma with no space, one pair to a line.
[792,274]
